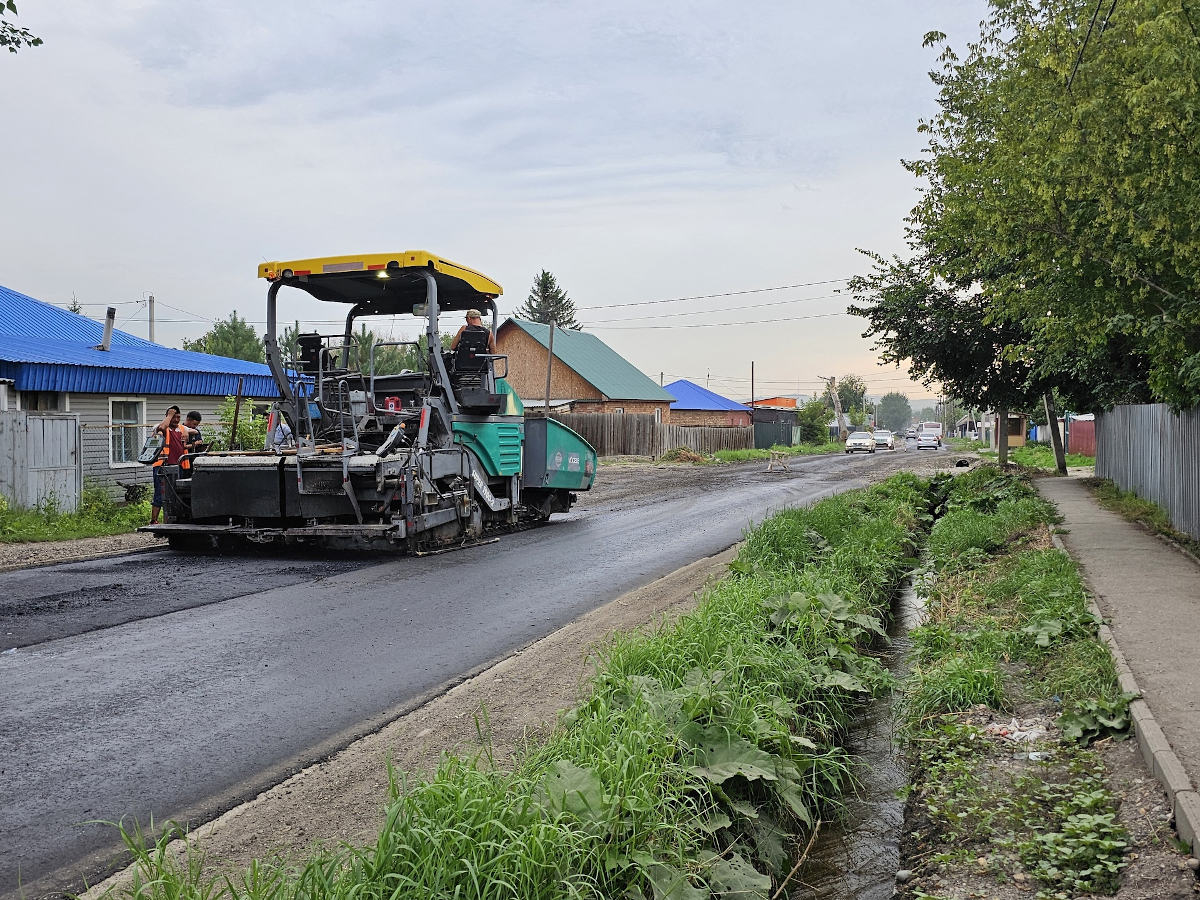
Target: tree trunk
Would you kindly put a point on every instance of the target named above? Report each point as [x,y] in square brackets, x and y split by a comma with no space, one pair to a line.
[837,408]
[1060,456]
[1002,436]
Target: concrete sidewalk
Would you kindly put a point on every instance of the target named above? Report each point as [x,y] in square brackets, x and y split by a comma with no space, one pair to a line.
[1149,594]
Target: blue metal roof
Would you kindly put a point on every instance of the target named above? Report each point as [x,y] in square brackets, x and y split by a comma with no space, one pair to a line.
[45,348]
[689,395]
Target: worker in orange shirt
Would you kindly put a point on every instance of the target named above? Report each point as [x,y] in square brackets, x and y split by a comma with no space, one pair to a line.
[174,443]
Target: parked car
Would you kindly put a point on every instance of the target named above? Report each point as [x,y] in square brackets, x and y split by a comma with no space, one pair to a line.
[860,440]
[884,439]
[928,440]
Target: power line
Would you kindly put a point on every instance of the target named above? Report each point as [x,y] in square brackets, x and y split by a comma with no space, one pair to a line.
[1107,19]
[1083,46]
[782,287]
[716,324]
[698,312]
[180,309]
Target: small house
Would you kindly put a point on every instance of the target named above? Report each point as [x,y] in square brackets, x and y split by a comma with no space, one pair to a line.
[587,376]
[695,405]
[93,406]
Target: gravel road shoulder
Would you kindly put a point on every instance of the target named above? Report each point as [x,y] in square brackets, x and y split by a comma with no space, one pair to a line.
[40,553]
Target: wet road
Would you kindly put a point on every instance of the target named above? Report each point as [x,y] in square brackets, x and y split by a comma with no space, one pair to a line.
[270,665]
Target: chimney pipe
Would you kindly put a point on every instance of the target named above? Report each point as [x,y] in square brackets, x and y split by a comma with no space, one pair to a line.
[110,319]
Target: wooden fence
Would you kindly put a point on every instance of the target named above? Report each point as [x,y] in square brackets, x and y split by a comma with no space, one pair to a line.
[39,459]
[1151,450]
[620,434]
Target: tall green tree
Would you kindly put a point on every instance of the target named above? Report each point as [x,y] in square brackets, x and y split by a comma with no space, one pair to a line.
[894,411]
[943,333]
[548,302]
[233,337]
[12,36]
[1060,173]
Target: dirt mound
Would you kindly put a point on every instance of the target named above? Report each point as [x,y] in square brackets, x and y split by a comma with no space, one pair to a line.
[683,455]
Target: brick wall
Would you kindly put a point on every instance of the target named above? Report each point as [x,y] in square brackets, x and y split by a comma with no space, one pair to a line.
[712,417]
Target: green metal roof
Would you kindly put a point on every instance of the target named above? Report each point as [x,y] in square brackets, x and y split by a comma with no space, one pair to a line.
[596,362]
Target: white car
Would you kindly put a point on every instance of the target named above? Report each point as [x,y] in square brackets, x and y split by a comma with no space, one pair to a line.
[860,440]
[884,439]
[928,440]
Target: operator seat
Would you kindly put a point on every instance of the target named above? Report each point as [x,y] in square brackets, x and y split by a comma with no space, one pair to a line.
[471,367]
[468,358]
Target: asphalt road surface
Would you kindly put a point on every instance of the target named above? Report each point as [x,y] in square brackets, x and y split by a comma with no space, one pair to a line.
[171,687]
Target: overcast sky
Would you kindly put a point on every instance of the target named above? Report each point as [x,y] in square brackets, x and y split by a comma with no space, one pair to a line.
[639,151]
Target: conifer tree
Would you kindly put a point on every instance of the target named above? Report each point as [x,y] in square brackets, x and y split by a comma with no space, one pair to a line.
[548,302]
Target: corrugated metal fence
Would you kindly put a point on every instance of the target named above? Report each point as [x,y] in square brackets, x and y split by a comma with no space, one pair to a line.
[627,434]
[1150,450]
[1081,437]
[39,459]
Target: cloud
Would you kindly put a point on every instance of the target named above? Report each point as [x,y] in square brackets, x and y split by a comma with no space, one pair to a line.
[637,150]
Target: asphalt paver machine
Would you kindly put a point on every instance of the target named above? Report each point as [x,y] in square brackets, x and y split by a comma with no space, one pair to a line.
[423,459]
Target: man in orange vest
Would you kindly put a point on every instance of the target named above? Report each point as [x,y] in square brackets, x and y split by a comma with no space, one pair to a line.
[176,436]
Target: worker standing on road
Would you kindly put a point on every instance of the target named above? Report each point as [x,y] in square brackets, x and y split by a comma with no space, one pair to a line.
[474,323]
[175,438]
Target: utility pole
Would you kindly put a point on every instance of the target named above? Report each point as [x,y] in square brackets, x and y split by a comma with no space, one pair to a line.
[660,379]
[752,390]
[150,308]
[707,376]
[549,366]
[831,383]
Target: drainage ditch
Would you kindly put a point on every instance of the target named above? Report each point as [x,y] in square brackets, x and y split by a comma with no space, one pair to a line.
[857,859]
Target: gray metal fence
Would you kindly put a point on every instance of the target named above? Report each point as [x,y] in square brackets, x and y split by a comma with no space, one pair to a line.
[39,459]
[1152,451]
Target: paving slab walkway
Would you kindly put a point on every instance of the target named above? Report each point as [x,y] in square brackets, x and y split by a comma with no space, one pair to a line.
[1149,593]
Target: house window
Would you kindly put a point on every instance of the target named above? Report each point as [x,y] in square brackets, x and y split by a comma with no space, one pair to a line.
[40,401]
[127,419]
[618,409]
[658,414]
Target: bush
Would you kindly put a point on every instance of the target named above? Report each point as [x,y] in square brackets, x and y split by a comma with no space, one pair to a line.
[251,427]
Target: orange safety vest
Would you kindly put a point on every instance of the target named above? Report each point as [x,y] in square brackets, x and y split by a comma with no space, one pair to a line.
[165,453]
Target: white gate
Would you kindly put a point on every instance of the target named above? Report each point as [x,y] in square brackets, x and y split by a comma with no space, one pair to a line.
[39,459]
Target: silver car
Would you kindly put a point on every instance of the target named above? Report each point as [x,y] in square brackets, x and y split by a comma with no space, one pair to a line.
[884,439]
[860,440]
[928,440]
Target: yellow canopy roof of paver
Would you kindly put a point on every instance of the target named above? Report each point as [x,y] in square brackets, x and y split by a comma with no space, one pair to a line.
[370,276]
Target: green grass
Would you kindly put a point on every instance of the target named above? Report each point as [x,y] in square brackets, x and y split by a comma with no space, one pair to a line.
[797,450]
[1145,512]
[706,750]
[96,516]
[1040,456]
[1008,623]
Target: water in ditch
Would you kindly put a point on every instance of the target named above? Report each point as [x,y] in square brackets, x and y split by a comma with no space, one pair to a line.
[857,859]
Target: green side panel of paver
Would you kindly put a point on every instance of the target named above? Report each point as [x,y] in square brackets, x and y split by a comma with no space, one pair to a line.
[497,444]
[557,457]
